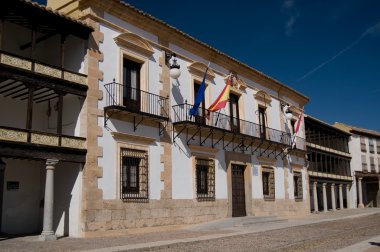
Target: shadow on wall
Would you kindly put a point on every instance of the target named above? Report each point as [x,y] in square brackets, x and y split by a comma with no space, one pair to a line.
[66,197]
[178,98]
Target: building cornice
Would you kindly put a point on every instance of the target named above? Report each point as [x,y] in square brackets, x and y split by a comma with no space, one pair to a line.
[159,28]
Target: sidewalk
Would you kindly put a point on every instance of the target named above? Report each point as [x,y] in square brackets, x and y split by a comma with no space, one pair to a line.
[161,236]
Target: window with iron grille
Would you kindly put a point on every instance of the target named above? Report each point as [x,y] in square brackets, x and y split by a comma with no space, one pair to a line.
[205,179]
[134,175]
[268,183]
[298,192]
[362,144]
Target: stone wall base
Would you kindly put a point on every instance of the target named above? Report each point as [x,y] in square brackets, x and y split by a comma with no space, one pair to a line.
[280,207]
[117,216]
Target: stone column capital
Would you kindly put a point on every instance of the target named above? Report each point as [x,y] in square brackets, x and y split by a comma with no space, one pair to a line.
[324,184]
[360,178]
[332,184]
[51,162]
[340,185]
[315,182]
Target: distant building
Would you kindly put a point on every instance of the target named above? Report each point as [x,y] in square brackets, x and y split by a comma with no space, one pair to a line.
[149,162]
[365,151]
[330,175]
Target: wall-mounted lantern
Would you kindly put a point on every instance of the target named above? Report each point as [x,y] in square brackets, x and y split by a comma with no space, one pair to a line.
[174,67]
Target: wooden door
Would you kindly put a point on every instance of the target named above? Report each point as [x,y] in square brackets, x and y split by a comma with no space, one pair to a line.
[238,190]
[131,85]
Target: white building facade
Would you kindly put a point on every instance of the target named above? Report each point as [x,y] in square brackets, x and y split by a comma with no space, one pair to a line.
[149,162]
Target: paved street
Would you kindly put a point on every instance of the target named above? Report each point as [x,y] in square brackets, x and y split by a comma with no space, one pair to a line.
[317,232]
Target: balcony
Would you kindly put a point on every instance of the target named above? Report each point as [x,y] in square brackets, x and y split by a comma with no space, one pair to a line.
[15,142]
[247,135]
[124,102]
[27,71]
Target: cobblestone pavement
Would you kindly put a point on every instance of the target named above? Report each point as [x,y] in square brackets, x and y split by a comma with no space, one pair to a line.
[318,232]
[325,236]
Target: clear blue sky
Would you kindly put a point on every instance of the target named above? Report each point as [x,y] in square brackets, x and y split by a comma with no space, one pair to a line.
[327,50]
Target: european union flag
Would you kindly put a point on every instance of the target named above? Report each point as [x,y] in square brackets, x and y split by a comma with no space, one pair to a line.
[199,97]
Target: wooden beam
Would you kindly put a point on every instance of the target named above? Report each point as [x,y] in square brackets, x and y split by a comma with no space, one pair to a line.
[16,91]
[38,40]
[1,32]
[33,51]
[38,152]
[59,117]
[11,88]
[29,112]
[62,52]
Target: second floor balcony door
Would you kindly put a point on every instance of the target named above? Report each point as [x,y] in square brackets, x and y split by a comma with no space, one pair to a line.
[131,84]
[234,113]
[200,118]
[262,122]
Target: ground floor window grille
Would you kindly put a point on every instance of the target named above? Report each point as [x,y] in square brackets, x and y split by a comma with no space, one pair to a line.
[205,179]
[268,183]
[134,175]
[297,178]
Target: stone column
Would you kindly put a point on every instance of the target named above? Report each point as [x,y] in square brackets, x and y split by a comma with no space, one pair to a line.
[341,196]
[47,232]
[348,195]
[324,197]
[315,196]
[360,193]
[333,206]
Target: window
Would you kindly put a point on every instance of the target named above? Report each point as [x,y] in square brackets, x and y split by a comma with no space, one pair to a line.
[371,145]
[378,145]
[131,84]
[364,163]
[205,179]
[372,164]
[134,174]
[200,117]
[378,164]
[234,113]
[262,122]
[362,144]
[268,183]
[297,179]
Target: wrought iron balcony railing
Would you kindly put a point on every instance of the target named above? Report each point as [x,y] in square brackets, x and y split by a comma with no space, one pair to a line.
[137,101]
[35,66]
[227,123]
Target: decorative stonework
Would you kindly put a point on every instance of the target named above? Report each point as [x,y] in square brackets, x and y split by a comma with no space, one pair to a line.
[13,135]
[16,62]
[133,138]
[134,42]
[73,143]
[80,79]
[263,96]
[199,68]
[51,71]
[44,139]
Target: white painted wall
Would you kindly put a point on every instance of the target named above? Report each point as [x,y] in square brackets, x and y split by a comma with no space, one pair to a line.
[21,208]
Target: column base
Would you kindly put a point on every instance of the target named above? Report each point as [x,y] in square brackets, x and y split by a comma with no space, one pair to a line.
[47,236]
[360,206]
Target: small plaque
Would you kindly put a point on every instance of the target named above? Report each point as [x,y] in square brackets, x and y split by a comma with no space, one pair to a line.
[13,185]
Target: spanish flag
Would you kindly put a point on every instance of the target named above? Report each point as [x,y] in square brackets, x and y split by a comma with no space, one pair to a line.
[222,99]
